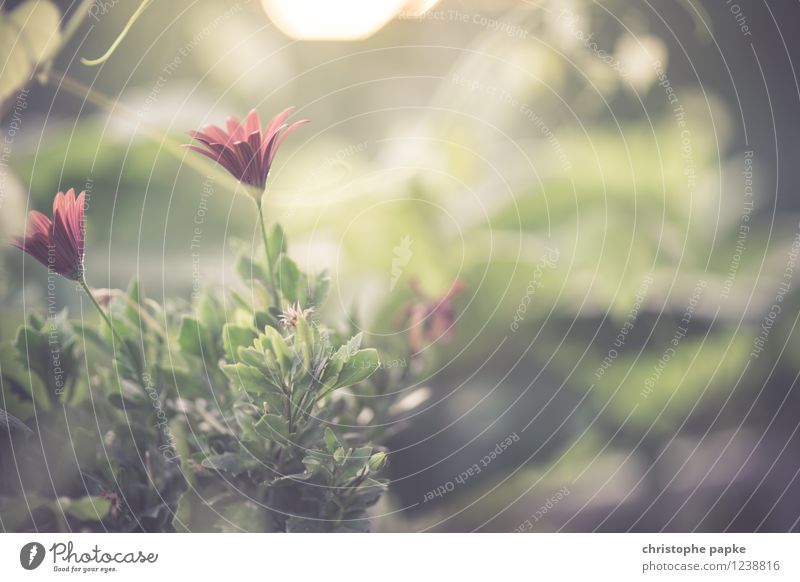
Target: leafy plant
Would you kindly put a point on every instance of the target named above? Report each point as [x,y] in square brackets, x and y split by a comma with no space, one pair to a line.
[185,411]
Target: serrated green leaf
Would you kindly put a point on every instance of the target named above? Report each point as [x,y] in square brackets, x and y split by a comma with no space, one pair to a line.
[354,343]
[358,368]
[252,381]
[252,357]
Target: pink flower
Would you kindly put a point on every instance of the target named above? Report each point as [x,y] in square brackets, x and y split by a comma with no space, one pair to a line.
[245,150]
[57,243]
[431,319]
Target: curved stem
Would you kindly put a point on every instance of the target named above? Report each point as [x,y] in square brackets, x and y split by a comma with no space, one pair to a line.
[100,60]
[102,312]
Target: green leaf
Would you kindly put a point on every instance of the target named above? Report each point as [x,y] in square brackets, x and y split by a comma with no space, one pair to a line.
[208,313]
[133,304]
[248,378]
[313,465]
[276,425]
[90,334]
[354,343]
[247,269]
[29,35]
[181,378]
[318,288]
[288,278]
[35,322]
[277,243]
[273,340]
[78,392]
[252,357]
[330,375]
[291,479]
[235,337]
[341,355]
[316,464]
[377,462]
[30,341]
[86,508]
[233,463]
[369,492]
[304,343]
[190,336]
[29,384]
[339,455]
[246,422]
[358,368]
[331,442]
[355,463]
[262,319]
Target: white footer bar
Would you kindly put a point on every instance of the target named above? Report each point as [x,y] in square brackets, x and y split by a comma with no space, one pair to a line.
[350,557]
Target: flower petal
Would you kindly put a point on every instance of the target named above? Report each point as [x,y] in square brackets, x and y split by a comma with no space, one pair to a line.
[283,136]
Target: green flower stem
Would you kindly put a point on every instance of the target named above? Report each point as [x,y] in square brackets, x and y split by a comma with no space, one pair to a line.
[101,311]
[270,266]
[114,332]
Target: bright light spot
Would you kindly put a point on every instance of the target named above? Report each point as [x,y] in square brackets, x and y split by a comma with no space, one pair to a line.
[410,402]
[637,56]
[331,20]
[339,19]
[416,8]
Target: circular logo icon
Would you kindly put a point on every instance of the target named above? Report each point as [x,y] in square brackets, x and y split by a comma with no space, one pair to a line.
[31,555]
